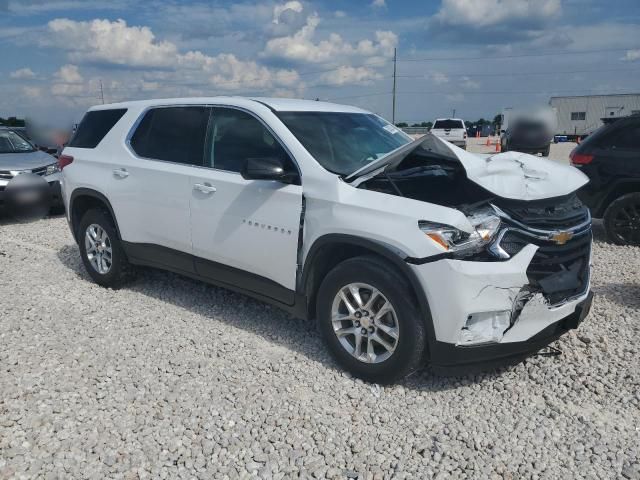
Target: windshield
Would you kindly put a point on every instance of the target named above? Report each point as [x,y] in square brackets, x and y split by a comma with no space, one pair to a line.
[344,142]
[11,142]
[448,124]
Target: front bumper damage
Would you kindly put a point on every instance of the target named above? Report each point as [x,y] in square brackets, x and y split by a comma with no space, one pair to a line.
[514,318]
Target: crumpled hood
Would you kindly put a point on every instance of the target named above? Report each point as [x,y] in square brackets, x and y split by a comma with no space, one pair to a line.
[511,175]
[520,176]
[25,161]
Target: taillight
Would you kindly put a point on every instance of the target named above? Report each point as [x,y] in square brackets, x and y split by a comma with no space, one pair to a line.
[465,134]
[580,158]
[64,160]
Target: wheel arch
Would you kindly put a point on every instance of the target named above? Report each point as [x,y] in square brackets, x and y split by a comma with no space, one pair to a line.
[332,249]
[83,199]
[618,189]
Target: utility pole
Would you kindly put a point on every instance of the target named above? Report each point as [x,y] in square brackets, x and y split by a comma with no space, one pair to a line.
[101,92]
[454,113]
[395,60]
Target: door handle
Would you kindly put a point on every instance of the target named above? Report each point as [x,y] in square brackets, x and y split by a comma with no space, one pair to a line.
[204,188]
[120,173]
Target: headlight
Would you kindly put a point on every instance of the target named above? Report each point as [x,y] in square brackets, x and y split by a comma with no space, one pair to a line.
[451,239]
[51,169]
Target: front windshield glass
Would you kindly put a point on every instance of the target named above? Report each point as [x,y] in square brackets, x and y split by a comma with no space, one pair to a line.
[344,142]
[11,142]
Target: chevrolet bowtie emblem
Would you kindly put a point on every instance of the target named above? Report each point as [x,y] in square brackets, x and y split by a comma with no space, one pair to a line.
[562,237]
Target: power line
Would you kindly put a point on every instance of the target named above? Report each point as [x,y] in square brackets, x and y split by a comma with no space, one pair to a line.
[522,55]
[508,74]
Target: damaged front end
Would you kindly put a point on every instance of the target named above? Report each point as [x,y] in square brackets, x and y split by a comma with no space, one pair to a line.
[519,275]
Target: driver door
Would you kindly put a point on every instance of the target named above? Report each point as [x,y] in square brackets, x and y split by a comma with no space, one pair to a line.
[245,232]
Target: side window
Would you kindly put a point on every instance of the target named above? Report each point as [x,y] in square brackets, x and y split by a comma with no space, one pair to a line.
[627,138]
[94,127]
[236,136]
[172,134]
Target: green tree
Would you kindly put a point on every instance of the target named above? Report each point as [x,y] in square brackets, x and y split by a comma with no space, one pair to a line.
[12,122]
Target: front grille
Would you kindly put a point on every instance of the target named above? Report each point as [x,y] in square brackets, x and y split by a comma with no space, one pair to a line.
[7,175]
[548,214]
[558,271]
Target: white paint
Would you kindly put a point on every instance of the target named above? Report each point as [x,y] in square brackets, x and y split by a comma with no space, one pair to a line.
[156,203]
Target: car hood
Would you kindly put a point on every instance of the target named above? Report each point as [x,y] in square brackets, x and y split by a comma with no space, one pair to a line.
[512,175]
[25,161]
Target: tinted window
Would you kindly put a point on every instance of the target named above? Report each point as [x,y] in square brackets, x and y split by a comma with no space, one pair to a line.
[627,137]
[448,124]
[94,126]
[344,142]
[237,136]
[173,134]
[578,115]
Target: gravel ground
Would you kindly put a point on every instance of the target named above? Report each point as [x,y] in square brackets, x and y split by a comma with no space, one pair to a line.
[171,378]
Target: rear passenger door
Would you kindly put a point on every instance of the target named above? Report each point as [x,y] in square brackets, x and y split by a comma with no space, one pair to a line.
[150,191]
[245,232]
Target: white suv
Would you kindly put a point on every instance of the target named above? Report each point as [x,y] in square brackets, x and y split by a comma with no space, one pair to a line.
[452,130]
[403,252]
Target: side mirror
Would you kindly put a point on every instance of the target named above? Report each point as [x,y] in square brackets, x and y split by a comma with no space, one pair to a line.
[265,168]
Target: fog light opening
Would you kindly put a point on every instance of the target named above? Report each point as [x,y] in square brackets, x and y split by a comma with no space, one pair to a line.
[485,327]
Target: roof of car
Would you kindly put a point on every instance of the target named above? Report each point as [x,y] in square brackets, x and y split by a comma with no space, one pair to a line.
[458,119]
[277,104]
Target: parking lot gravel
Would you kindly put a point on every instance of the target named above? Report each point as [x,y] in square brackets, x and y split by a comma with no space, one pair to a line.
[171,378]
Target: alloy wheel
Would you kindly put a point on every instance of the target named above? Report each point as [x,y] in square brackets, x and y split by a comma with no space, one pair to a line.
[98,247]
[626,223]
[365,323]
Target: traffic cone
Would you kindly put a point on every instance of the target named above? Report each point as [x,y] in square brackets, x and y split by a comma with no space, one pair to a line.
[498,147]
[488,141]
[578,140]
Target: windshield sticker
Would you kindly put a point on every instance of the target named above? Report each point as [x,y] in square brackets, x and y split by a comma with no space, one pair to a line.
[390,128]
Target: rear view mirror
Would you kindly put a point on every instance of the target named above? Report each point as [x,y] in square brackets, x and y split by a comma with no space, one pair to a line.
[265,168]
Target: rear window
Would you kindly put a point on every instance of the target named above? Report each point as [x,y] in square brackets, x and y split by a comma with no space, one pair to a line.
[448,124]
[94,126]
[173,134]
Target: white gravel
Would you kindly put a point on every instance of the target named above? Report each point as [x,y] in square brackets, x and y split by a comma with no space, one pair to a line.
[171,378]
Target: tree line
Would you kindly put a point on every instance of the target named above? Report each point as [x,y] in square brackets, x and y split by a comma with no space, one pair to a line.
[478,123]
[12,122]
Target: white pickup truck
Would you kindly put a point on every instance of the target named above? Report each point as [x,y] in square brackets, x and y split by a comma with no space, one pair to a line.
[452,130]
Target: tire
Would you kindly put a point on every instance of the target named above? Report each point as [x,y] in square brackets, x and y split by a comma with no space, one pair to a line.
[119,270]
[546,151]
[410,345]
[622,220]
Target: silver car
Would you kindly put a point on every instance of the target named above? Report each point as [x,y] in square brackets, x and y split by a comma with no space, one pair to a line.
[18,155]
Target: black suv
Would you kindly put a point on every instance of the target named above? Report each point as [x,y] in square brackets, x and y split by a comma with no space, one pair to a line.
[527,136]
[610,157]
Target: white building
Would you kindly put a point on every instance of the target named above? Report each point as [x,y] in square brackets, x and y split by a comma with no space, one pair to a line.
[581,115]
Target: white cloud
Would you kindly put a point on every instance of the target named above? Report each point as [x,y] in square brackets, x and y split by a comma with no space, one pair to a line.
[111,42]
[439,78]
[116,43]
[378,4]
[632,55]
[68,74]
[31,92]
[301,46]
[340,14]
[467,82]
[484,13]
[345,75]
[22,74]
[278,10]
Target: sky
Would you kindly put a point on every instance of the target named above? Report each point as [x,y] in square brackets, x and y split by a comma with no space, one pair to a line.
[58,57]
